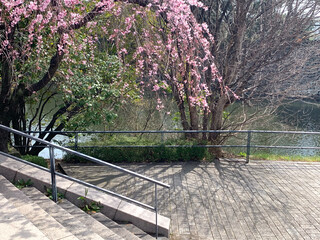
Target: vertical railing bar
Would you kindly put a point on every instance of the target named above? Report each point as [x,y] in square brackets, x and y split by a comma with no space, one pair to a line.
[156,208]
[248,146]
[53,174]
[76,142]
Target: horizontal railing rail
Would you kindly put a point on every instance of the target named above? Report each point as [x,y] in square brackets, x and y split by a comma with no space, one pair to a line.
[180,131]
[248,144]
[53,172]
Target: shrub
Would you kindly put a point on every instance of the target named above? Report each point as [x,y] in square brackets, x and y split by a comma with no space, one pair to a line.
[36,160]
[160,153]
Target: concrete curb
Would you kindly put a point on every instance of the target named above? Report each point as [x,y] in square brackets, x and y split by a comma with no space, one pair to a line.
[114,208]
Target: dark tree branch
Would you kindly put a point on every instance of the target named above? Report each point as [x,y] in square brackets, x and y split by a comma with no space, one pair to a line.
[98,10]
[54,65]
[38,147]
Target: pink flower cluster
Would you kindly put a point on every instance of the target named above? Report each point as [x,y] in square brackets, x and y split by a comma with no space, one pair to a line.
[179,51]
[171,44]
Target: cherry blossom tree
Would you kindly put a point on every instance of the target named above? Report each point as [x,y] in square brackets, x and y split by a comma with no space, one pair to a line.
[40,41]
[248,39]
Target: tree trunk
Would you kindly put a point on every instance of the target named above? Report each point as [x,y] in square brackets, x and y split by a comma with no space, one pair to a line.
[216,124]
[4,120]
[4,139]
[6,80]
[17,110]
[194,121]
[205,122]
[182,110]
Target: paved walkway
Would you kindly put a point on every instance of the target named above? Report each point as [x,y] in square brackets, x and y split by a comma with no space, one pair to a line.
[226,199]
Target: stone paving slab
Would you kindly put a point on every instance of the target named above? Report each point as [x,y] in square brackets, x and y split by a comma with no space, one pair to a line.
[227,199]
[14,225]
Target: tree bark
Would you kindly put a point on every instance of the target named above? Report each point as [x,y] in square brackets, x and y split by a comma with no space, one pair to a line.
[4,138]
[216,124]
[6,79]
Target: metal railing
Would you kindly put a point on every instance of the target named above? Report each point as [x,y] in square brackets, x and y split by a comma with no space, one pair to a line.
[53,172]
[248,139]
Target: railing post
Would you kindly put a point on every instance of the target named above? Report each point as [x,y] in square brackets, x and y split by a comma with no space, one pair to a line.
[53,174]
[248,146]
[156,208]
[162,138]
[76,142]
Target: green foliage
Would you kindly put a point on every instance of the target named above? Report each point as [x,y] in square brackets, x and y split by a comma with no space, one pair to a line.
[242,154]
[163,152]
[89,206]
[36,160]
[176,118]
[96,89]
[49,194]
[92,88]
[22,183]
[226,115]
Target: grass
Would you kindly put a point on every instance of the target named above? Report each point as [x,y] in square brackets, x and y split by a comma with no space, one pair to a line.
[262,154]
[278,157]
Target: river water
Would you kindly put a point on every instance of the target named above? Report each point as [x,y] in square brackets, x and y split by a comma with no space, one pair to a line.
[296,116]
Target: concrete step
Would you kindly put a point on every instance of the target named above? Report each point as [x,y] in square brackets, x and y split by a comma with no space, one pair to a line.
[136,231]
[35,214]
[97,222]
[120,230]
[113,207]
[14,225]
[77,225]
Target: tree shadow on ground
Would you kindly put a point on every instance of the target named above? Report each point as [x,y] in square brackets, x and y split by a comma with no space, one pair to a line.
[226,197]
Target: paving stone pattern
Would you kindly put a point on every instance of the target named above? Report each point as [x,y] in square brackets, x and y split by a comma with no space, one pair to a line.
[227,199]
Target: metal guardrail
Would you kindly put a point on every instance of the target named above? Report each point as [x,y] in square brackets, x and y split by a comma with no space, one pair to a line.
[53,172]
[248,145]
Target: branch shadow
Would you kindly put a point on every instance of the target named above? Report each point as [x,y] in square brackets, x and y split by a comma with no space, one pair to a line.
[223,198]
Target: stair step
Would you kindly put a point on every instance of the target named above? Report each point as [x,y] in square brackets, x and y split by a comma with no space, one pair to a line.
[76,226]
[120,230]
[14,225]
[114,207]
[35,214]
[137,231]
[90,221]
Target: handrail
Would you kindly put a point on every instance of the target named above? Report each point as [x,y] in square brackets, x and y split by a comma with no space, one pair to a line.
[78,181]
[54,173]
[181,131]
[162,132]
[84,156]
